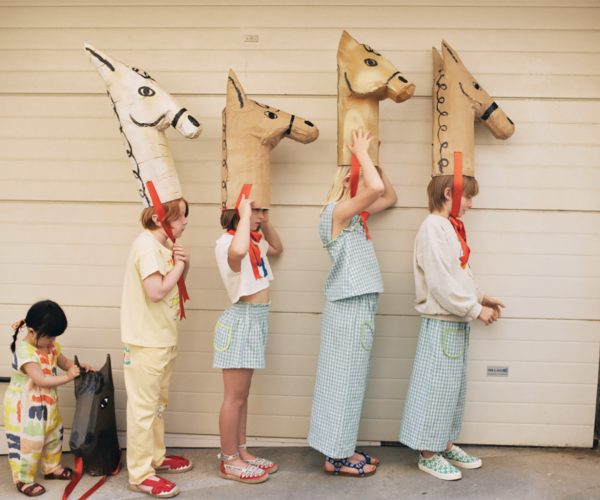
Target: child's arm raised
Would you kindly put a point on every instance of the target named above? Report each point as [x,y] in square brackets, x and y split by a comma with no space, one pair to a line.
[271,235]
[35,373]
[373,186]
[241,239]
[387,199]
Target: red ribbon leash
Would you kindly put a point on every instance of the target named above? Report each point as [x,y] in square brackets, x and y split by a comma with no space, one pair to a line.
[256,260]
[458,225]
[78,472]
[160,211]
[354,176]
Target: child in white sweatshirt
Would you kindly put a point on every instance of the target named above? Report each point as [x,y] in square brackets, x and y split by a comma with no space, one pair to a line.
[447,299]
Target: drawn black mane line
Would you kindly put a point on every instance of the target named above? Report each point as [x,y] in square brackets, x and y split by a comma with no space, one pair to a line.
[129,151]
[224,166]
[442,127]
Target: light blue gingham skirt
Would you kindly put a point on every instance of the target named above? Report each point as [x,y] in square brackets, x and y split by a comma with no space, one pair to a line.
[435,403]
[241,336]
[347,330]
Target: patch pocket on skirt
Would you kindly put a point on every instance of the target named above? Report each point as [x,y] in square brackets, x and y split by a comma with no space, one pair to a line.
[367,332]
[223,334]
[453,342]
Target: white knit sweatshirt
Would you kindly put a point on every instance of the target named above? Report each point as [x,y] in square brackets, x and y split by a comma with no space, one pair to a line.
[444,290]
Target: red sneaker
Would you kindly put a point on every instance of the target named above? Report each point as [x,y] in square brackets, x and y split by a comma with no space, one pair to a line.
[174,464]
[156,486]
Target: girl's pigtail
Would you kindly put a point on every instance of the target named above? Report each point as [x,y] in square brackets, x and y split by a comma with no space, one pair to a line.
[16,327]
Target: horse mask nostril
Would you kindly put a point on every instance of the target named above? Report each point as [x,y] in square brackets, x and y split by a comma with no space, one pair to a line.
[402,79]
[193,121]
[309,123]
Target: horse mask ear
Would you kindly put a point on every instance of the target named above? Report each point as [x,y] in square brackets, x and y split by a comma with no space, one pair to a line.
[103,63]
[236,97]
[438,62]
[106,372]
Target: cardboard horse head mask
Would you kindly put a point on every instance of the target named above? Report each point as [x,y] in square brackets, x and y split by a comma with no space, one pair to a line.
[459,100]
[144,112]
[365,77]
[94,432]
[250,131]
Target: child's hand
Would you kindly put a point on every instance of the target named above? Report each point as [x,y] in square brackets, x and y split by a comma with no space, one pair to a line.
[487,315]
[180,254]
[245,208]
[87,368]
[73,372]
[496,304]
[360,141]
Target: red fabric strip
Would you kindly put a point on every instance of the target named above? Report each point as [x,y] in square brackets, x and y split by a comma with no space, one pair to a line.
[77,473]
[245,192]
[254,251]
[458,225]
[160,211]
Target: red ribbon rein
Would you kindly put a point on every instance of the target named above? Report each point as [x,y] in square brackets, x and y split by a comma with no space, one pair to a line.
[458,225]
[354,175]
[254,250]
[160,211]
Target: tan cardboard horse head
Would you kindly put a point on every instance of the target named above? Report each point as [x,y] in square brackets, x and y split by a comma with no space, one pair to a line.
[250,131]
[144,112]
[365,77]
[459,100]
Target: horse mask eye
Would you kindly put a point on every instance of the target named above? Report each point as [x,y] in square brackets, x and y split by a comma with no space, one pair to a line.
[104,402]
[476,85]
[146,91]
[370,62]
[270,114]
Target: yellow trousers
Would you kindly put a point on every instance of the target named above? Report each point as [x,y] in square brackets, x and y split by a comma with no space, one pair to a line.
[147,372]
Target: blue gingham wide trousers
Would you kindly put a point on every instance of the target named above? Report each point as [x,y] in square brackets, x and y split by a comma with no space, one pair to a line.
[347,330]
[435,403]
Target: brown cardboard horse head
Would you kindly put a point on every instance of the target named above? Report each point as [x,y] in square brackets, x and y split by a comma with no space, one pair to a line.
[459,100]
[250,131]
[365,77]
[144,112]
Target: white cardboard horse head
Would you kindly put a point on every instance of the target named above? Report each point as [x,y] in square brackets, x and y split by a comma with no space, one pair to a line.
[459,100]
[144,112]
[250,131]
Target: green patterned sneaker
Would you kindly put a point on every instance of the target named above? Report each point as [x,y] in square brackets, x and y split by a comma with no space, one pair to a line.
[460,458]
[439,467]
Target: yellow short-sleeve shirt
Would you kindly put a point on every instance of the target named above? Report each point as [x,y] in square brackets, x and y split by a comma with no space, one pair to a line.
[143,322]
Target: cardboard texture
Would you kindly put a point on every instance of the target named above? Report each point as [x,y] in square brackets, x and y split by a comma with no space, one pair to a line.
[365,77]
[250,131]
[459,100]
[144,112]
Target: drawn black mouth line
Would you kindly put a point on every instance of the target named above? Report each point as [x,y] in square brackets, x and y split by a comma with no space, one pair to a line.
[151,124]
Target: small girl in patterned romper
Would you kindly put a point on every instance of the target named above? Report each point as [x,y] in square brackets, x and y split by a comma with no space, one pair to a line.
[33,425]
[241,331]
[351,290]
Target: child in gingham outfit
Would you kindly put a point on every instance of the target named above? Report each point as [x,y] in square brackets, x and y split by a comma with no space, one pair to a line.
[447,299]
[242,330]
[352,289]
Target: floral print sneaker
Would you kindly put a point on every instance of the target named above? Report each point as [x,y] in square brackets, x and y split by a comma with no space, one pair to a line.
[459,457]
[439,467]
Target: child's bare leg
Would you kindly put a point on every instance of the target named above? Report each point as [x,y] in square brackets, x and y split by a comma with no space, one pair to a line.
[429,454]
[236,384]
[244,453]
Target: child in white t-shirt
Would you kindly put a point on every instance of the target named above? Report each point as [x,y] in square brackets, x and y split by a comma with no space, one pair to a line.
[241,331]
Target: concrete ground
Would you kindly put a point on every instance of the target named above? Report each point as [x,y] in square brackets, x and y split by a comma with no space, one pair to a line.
[507,473]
